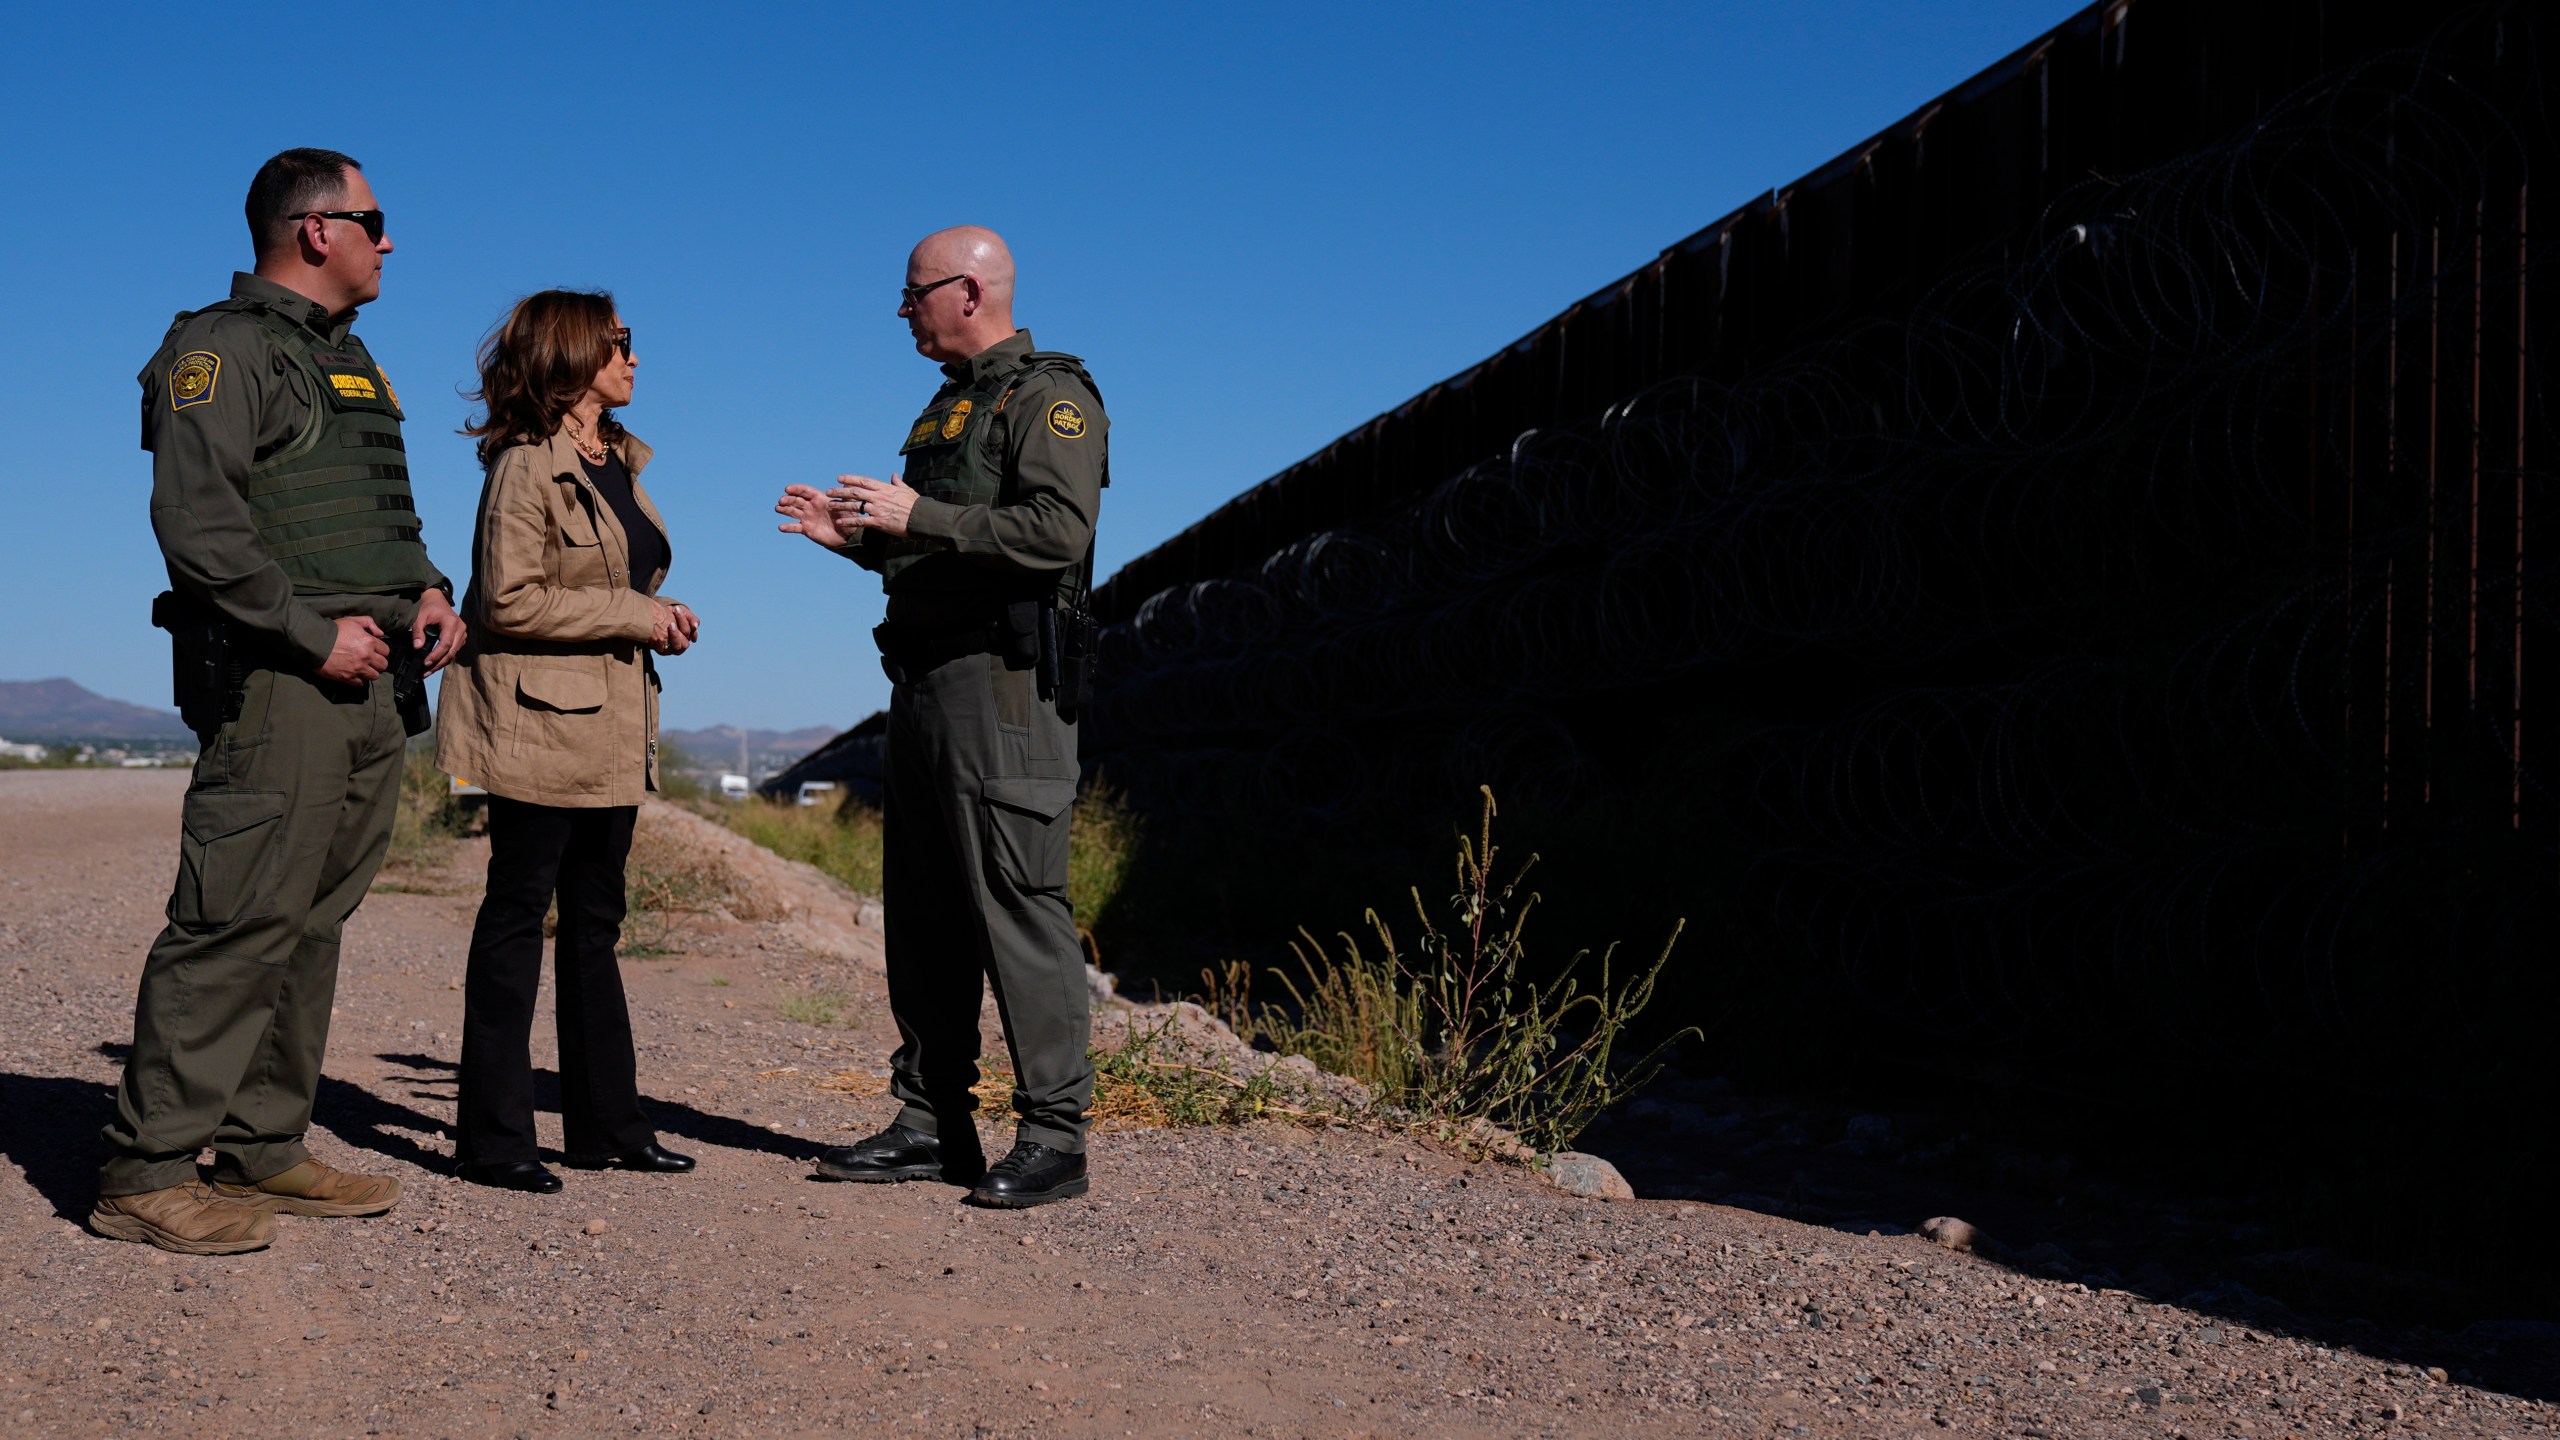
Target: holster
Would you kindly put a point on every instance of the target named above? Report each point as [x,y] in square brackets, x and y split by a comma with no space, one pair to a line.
[207,664]
[1065,672]
[409,680]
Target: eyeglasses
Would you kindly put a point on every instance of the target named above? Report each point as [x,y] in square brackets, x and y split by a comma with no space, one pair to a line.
[622,341]
[371,220]
[915,293]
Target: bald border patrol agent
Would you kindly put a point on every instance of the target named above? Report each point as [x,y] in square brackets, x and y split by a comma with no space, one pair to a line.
[984,546]
[304,615]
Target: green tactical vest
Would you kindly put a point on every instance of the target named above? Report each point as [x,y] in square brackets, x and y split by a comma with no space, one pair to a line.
[955,453]
[332,505]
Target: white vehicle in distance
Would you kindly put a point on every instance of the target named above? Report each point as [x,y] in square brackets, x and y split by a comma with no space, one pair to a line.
[813,792]
[734,787]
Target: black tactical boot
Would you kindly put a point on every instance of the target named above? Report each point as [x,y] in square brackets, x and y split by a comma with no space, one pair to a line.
[898,1153]
[1032,1175]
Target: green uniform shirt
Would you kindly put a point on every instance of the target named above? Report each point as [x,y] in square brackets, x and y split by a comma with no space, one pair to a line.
[1053,485]
[201,454]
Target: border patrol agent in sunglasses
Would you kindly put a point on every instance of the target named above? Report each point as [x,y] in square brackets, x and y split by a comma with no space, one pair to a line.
[304,616]
[985,547]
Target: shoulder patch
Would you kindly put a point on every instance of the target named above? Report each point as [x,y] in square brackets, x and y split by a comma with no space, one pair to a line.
[191,378]
[1066,420]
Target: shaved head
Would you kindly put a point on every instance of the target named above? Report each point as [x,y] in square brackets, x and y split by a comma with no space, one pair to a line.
[966,276]
[972,250]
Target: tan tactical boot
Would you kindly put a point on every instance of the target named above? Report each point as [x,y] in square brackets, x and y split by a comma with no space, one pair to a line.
[312,1188]
[190,1219]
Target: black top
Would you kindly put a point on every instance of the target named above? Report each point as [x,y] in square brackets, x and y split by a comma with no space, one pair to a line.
[648,546]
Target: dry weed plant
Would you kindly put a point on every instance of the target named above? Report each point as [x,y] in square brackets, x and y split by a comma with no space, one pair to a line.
[1458,1036]
[665,880]
[427,825]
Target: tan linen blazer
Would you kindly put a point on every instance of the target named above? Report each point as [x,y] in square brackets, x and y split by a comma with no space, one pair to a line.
[553,700]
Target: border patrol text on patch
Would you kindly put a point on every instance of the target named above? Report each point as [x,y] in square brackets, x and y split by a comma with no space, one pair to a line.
[191,378]
[1066,419]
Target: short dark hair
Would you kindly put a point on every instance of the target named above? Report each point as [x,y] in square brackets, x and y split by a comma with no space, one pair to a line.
[294,183]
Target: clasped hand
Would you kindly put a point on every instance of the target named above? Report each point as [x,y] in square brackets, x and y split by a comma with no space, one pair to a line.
[675,628]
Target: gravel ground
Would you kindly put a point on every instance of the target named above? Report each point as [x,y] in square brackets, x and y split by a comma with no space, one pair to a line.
[1270,1281]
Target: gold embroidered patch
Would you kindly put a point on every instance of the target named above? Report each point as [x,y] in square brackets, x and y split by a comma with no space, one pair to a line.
[922,432]
[1066,420]
[394,395]
[191,378]
[956,422]
[355,387]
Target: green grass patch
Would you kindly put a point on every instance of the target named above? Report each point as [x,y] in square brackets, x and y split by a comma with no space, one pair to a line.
[843,842]
[846,842]
[818,1005]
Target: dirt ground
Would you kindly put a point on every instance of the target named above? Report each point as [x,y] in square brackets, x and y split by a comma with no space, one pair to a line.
[1270,1281]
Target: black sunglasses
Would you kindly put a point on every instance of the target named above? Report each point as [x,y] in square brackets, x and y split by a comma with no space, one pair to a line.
[915,293]
[622,341]
[371,220]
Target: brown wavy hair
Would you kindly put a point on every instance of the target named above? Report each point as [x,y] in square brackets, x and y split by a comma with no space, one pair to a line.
[537,365]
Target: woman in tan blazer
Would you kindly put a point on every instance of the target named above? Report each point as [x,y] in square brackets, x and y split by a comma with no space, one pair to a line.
[553,709]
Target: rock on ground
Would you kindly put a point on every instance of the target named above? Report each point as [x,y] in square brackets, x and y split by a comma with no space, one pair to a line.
[1588,1175]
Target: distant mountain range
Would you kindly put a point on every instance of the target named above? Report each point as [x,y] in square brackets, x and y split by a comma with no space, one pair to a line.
[61,709]
[764,751]
[65,710]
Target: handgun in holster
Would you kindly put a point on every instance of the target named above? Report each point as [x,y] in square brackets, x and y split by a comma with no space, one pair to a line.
[1066,658]
[208,670]
[1066,646]
[409,680]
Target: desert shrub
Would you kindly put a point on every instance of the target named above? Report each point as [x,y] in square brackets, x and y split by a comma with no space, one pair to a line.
[676,781]
[1458,1033]
[1099,848]
[429,819]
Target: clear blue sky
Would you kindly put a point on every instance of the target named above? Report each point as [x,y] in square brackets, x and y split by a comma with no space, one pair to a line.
[1260,224]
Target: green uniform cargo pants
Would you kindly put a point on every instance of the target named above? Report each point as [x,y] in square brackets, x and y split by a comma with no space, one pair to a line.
[981,778]
[284,825]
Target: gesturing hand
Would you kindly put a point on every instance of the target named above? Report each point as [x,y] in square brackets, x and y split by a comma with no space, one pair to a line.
[862,503]
[807,512]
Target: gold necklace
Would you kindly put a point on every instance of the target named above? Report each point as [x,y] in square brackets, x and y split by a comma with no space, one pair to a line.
[578,437]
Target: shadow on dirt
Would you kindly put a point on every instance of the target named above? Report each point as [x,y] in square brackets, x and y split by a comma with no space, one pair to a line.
[2112,1230]
[52,1135]
[672,1117]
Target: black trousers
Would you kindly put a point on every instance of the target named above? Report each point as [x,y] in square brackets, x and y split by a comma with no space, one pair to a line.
[537,852]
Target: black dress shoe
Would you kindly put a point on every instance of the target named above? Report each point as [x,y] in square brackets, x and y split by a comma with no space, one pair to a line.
[1031,1175]
[525,1175]
[653,1157]
[896,1153]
